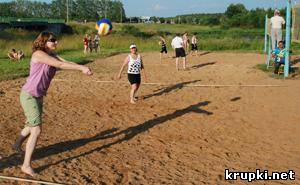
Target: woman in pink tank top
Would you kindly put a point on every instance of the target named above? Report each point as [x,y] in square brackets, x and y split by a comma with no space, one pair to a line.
[43,65]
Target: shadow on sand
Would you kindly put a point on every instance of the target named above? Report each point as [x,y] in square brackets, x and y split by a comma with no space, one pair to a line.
[125,135]
[169,89]
[202,65]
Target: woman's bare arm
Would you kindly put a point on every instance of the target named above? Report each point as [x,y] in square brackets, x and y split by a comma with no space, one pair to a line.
[44,58]
[123,66]
[143,69]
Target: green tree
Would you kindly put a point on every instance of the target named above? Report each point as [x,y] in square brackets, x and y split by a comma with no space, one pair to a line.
[6,9]
[235,10]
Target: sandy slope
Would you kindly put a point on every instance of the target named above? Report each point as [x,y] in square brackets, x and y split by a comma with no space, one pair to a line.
[174,135]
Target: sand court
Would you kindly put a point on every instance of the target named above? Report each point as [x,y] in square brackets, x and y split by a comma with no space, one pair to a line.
[187,127]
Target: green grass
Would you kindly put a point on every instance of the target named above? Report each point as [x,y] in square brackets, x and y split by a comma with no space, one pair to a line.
[294,72]
[13,70]
[146,37]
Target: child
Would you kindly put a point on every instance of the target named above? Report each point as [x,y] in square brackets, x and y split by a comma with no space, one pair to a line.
[13,55]
[135,66]
[20,55]
[85,43]
[96,43]
[163,44]
[194,45]
[90,45]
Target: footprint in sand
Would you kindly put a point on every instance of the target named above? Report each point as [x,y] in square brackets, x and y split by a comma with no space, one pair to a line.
[2,93]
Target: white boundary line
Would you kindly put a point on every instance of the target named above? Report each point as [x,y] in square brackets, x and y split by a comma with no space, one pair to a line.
[28,180]
[187,85]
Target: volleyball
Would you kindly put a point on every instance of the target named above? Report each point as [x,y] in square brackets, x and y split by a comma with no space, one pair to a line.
[104,27]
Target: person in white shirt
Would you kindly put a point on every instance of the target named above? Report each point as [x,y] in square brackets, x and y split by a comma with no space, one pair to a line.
[276,28]
[177,45]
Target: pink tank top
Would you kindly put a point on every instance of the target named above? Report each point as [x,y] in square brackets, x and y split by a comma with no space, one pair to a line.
[39,79]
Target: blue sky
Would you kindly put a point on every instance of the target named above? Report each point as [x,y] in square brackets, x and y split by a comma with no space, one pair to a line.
[165,8]
[176,7]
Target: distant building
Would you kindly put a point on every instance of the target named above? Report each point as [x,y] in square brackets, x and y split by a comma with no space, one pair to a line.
[145,19]
[142,19]
[55,25]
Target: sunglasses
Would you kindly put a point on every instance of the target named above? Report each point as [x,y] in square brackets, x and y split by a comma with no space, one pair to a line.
[52,40]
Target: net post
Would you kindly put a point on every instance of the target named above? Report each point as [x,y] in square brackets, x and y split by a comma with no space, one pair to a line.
[287,38]
[266,33]
[269,53]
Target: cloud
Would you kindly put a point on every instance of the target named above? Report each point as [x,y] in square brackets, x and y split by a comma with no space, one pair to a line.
[158,7]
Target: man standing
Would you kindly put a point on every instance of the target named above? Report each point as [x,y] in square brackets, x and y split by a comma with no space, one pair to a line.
[177,45]
[276,28]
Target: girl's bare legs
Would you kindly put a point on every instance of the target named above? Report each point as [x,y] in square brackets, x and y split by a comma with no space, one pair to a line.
[135,93]
[134,88]
[18,144]
[184,63]
[85,49]
[160,55]
[177,64]
[30,146]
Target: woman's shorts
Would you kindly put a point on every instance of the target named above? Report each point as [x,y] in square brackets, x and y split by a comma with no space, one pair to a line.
[179,52]
[194,47]
[134,78]
[33,109]
[163,50]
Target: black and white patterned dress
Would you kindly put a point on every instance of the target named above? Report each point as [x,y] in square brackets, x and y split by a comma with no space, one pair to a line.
[134,65]
[134,69]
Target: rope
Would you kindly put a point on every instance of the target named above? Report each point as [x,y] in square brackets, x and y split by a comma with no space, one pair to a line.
[186,85]
[29,180]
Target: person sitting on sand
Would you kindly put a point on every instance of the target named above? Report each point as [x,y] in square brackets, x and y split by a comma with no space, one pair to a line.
[20,55]
[43,65]
[13,55]
[135,66]
[278,56]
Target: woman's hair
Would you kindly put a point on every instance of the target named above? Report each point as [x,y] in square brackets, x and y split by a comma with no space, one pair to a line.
[41,40]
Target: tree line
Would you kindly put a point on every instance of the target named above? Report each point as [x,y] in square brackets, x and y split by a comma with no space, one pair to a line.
[236,15]
[78,10]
